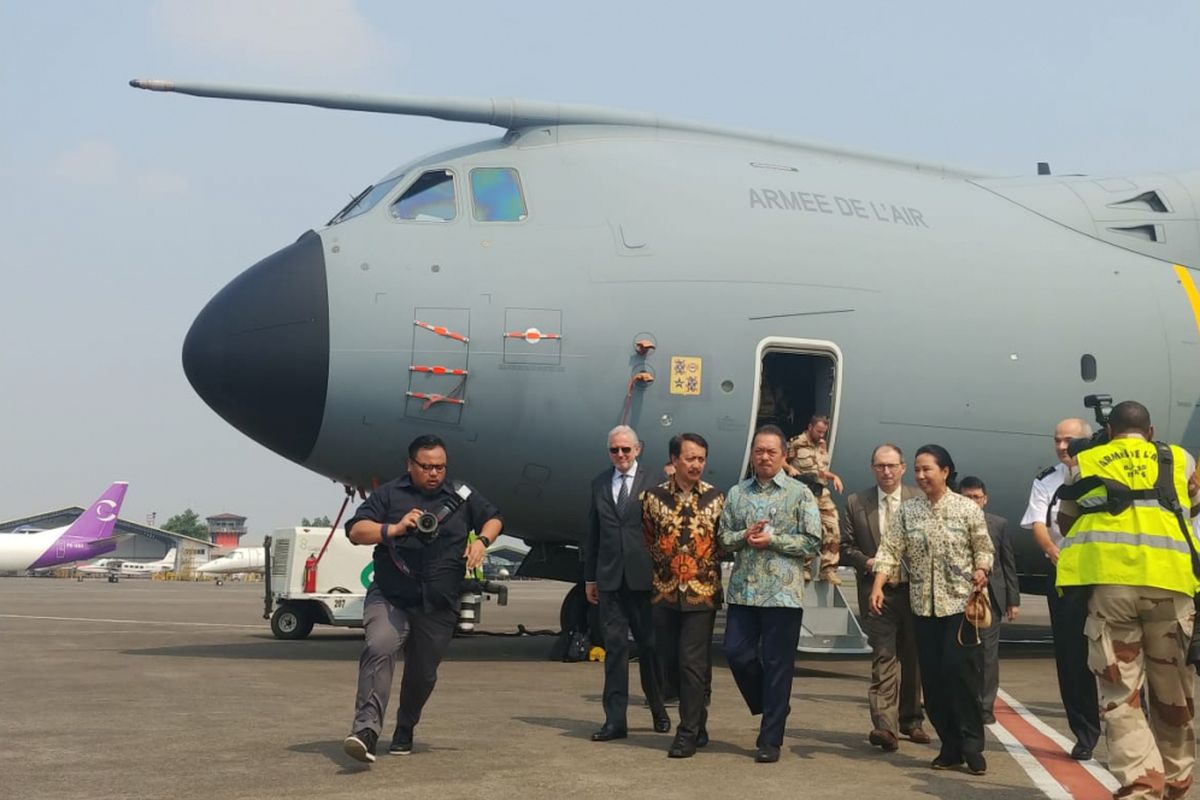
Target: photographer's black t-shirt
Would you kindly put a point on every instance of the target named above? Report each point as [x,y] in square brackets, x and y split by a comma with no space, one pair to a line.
[434,567]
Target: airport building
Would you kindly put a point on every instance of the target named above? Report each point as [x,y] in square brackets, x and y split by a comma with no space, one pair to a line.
[506,556]
[226,530]
[143,542]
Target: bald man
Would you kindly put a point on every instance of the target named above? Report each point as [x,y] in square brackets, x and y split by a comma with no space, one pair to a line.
[1076,683]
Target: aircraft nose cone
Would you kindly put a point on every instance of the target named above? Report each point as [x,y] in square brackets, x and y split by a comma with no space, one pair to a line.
[258,353]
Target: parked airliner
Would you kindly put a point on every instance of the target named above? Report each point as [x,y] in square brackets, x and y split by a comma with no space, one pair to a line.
[89,536]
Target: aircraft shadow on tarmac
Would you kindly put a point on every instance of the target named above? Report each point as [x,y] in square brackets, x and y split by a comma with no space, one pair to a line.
[912,759]
[638,737]
[348,646]
[960,784]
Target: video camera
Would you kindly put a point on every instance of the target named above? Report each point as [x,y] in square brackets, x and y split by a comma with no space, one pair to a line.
[1101,405]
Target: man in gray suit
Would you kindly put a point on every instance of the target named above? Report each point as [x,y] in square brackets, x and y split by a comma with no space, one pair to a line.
[617,570]
[1002,589]
[895,693]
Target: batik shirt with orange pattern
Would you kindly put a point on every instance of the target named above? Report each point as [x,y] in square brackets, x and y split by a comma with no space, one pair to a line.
[681,535]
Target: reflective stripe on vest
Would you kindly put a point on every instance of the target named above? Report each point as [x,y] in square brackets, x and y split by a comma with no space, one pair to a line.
[1135,539]
[1143,544]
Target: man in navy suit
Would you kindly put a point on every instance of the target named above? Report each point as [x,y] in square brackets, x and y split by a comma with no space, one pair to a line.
[617,571]
[1003,591]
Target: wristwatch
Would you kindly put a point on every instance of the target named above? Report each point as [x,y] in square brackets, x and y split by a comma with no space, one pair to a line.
[484,541]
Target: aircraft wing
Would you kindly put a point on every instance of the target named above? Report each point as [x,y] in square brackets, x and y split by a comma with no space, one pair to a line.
[113,540]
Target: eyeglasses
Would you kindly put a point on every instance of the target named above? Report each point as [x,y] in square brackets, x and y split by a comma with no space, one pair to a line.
[430,467]
[623,450]
[886,467]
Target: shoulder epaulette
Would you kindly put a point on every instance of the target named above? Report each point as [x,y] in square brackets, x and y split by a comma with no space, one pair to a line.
[1046,473]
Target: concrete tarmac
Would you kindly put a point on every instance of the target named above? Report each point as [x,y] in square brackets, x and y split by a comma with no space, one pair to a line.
[161,689]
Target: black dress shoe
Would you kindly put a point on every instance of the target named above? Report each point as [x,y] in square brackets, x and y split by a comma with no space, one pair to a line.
[1081,752]
[767,754]
[946,760]
[682,747]
[662,724]
[702,738]
[976,763]
[609,732]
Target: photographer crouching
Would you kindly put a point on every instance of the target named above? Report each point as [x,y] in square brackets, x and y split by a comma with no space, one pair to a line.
[418,524]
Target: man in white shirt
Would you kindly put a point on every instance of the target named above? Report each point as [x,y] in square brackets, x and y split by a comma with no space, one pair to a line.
[1076,683]
[895,693]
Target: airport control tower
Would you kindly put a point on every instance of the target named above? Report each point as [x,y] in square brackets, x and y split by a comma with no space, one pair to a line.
[226,530]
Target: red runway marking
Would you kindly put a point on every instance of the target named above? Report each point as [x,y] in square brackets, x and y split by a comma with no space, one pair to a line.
[1071,774]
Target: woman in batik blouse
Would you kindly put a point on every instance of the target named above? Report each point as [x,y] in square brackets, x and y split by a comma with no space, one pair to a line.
[941,541]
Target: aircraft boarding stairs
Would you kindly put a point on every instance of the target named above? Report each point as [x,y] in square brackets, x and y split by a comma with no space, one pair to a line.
[830,626]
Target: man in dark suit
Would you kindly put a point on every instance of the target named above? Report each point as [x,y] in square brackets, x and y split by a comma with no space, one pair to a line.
[1002,590]
[617,571]
[895,693]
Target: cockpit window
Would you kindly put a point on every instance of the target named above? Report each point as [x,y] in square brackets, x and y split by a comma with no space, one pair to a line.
[497,193]
[366,200]
[429,199]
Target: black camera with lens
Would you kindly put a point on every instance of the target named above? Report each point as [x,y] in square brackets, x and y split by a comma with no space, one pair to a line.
[427,526]
[1101,406]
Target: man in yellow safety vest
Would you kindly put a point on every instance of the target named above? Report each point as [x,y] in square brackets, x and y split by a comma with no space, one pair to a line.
[1129,538]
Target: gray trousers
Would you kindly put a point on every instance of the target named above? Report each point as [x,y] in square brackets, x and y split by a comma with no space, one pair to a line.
[991,664]
[623,612]
[424,636]
[894,696]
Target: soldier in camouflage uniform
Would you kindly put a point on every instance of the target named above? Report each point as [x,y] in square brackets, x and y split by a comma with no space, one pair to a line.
[1138,560]
[808,454]
[1139,634]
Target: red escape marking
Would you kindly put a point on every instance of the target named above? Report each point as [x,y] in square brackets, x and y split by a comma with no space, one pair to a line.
[531,335]
[431,399]
[436,369]
[441,330]
[1064,769]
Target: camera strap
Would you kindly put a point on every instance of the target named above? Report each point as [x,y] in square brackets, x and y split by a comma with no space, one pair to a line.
[400,565]
[457,500]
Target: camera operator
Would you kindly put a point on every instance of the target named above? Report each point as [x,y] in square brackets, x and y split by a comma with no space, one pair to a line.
[1129,540]
[413,600]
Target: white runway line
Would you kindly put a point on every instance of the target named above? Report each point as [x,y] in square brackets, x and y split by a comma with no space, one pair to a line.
[1033,768]
[133,621]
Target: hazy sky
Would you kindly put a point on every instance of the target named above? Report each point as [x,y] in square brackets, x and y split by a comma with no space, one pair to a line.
[123,212]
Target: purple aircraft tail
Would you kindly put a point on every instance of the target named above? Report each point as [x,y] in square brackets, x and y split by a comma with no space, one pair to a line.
[96,524]
[88,536]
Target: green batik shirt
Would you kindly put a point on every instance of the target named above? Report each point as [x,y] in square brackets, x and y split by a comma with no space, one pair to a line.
[773,576]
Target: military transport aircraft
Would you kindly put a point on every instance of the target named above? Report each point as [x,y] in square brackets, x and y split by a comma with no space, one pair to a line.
[587,267]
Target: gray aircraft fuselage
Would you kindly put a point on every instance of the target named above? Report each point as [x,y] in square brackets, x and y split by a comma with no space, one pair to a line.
[936,305]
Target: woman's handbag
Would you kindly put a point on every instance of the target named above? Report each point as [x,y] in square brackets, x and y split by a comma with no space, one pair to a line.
[978,613]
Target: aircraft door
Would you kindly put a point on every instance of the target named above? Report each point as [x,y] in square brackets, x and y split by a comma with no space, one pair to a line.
[796,378]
